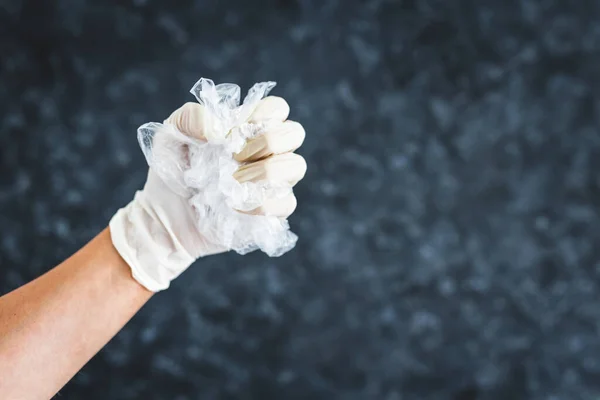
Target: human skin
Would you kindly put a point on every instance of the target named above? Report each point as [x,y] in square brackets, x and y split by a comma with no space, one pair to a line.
[52,326]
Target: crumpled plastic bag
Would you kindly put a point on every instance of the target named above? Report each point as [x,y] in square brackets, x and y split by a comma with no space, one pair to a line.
[202,170]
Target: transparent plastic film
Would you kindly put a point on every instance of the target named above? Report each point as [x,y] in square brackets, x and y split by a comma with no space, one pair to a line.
[201,171]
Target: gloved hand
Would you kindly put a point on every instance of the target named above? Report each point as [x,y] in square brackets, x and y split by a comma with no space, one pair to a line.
[158,233]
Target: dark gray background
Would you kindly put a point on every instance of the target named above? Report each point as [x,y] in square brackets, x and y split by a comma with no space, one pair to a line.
[448,222]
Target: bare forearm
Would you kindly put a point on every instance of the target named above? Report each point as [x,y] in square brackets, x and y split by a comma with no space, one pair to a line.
[52,326]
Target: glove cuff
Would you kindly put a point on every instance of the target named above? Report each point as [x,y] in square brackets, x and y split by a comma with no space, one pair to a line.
[147,246]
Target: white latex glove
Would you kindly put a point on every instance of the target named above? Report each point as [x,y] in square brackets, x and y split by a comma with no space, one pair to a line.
[157,233]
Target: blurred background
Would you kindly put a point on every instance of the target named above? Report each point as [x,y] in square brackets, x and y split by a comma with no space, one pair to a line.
[449,223]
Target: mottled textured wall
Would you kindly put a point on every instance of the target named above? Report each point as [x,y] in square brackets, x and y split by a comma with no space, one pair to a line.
[449,224]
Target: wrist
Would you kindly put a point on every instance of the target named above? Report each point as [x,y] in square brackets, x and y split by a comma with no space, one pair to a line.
[122,274]
[147,245]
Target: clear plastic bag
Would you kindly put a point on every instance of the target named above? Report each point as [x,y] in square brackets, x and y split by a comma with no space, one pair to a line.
[202,171]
